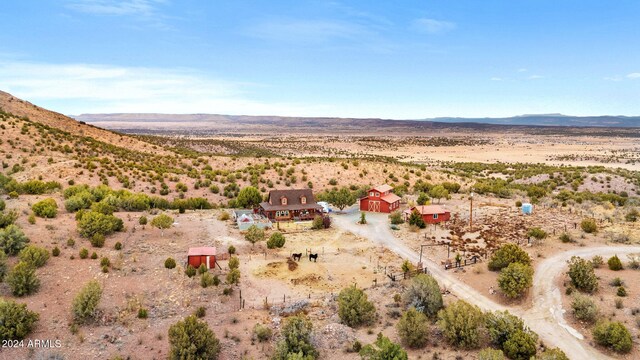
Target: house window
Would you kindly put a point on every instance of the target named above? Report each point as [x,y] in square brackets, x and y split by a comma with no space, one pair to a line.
[303,200]
[371,193]
[435,216]
[377,194]
[283,201]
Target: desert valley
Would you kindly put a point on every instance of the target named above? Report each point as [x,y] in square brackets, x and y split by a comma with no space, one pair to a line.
[131,238]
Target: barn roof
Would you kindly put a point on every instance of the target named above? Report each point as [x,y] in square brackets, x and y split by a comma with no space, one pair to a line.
[383,188]
[203,250]
[390,198]
[430,209]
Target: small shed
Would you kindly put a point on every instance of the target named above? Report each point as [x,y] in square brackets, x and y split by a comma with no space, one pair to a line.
[431,214]
[202,255]
[527,209]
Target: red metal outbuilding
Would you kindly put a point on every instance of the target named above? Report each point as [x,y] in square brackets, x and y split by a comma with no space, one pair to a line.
[202,255]
[380,199]
[431,214]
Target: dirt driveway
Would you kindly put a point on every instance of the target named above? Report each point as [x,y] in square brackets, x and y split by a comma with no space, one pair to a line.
[545,316]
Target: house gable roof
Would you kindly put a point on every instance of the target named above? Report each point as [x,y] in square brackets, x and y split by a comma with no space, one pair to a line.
[382,188]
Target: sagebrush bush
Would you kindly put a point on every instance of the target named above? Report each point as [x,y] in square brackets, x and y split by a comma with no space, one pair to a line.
[190,271]
[614,263]
[17,321]
[613,335]
[262,333]
[86,301]
[47,208]
[84,253]
[584,309]
[22,279]
[34,255]
[170,263]
[354,308]
[192,339]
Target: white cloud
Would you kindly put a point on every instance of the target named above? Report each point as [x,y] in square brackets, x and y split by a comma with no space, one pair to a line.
[306,30]
[496,79]
[535,77]
[521,70]
[433,26]
[91,88]
[115,7]
[612,78]
[634,76]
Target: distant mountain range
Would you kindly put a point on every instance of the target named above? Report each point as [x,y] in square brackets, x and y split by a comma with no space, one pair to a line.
[132,121]
[551,120]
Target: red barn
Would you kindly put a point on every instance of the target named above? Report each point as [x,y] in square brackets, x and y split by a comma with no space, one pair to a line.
[202,255]
[431,214]
[380,199]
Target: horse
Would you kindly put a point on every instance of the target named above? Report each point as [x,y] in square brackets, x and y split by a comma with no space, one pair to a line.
[296,257]
[313,257]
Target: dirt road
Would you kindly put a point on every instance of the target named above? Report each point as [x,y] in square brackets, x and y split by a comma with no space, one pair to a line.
[545,316]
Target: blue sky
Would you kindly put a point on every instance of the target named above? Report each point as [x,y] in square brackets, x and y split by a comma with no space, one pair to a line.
[389,59]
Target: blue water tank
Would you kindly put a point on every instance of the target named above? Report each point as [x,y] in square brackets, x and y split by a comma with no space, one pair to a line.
[527,208]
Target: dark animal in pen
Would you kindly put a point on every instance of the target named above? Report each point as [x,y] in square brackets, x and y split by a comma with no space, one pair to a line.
[313,257]
[296,257]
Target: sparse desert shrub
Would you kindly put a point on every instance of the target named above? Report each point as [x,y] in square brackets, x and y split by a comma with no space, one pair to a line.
[3,205]
[234,262]
[383,348]
[507,254]
[86,301]
[584,309]
[143,220]
[597,261]
[254,234]
[84,253]
[105,261]
[7,218]
[22,279]
[142,313]
[632,216]
[616,282]
[515,279]
[490,354]
[317,223]
[71,242]
[537,233]
[92,223]
[614,263]
[55,252]
[276,240]
[227,291]
[622,292]
[424,294]
[461,324]
[192,339]
[224,216]
[170,263]
[34,255]
[396,218]
[200,312]
[202,269]
[619,304]
[97,240]
[582,275]
[262,333]
[17,321]
[190,271]
[233,276]
[552,354]
[231,249]
[31,219]
[566,238]
[354,308]
[206,280]
[589,226]
[47,208]
[413,328]
[12,240]
[613,335]
[118,245]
